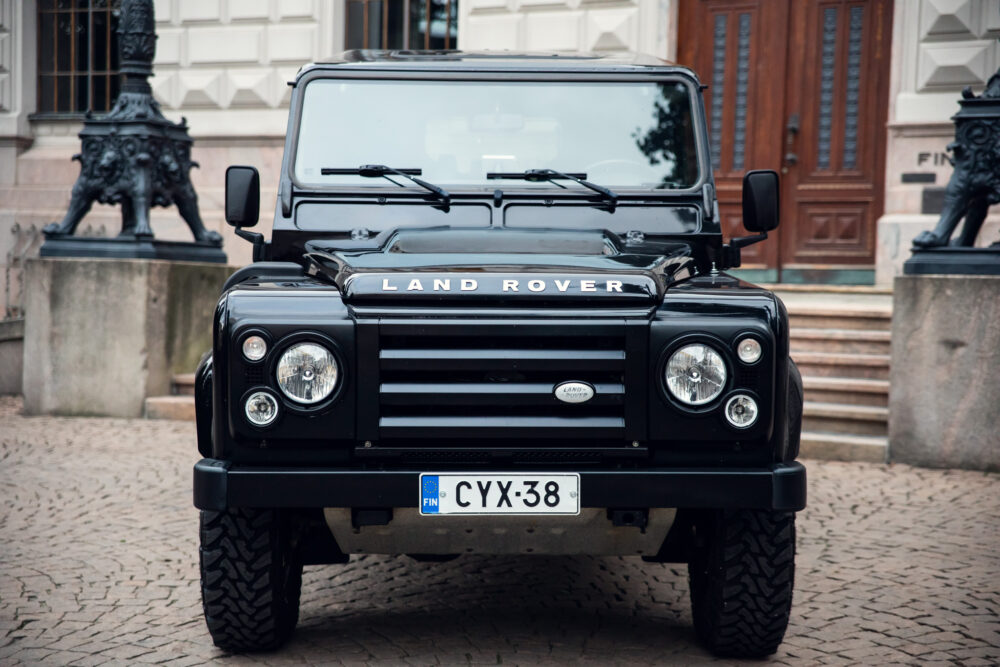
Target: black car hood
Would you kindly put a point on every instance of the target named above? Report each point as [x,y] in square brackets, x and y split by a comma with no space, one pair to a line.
[554,266]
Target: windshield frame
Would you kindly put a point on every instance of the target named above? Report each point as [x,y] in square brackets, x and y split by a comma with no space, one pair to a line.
[594,75]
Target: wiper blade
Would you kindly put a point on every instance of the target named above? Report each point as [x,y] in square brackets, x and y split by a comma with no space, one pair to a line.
[382,171]
[551,174]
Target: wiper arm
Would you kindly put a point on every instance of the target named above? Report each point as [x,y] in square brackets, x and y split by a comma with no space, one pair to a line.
[382,171]
[537,175]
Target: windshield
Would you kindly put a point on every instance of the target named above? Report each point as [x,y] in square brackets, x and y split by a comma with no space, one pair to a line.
[628,134]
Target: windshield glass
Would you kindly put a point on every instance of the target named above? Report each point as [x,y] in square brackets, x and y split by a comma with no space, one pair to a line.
[632,134]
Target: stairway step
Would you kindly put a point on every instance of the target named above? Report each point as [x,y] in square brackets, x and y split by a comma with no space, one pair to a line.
[850,341]
[841,447]
[183,384]
[864,318]
[822,417]
[170,407]
[854,391]
[844,365]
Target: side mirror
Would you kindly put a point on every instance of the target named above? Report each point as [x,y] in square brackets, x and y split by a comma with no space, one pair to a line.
[760,200]
[242,196]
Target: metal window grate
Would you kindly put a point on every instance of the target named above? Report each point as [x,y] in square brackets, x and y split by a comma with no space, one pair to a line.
[402,24]
[77,55]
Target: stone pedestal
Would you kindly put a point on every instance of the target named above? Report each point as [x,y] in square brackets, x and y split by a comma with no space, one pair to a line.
[101,335]
[944,397]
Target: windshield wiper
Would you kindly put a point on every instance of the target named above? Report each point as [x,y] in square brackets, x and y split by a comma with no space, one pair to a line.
[382,171]
[537,175]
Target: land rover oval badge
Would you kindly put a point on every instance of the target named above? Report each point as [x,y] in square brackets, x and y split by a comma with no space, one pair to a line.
[574,392]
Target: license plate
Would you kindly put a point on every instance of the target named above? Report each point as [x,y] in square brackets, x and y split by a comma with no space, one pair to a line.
[510,493]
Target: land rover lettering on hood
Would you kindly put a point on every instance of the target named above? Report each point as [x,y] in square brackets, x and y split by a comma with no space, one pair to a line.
[493,314]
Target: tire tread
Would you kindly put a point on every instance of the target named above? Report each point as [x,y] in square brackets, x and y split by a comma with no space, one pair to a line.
[250,579]
[742,581]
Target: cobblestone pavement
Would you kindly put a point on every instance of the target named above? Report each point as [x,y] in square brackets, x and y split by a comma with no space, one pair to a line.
[98,564]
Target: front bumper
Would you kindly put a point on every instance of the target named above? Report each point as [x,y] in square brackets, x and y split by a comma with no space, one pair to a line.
[219,485]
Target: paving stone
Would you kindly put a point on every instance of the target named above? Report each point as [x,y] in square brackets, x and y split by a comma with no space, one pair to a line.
[99,564]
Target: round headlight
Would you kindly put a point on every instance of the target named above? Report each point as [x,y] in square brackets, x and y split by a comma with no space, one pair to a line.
[261,408]
[695,374]
[748,350]
[741,411]
[254,348]
[307,373]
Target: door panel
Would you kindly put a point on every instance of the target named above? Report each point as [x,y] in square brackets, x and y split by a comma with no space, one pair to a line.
[837,85]
[737,48]
[799,86]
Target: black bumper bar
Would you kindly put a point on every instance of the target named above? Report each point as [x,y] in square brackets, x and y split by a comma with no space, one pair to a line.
[219,485]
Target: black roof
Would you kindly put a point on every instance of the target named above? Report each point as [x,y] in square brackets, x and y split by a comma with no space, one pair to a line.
[499,61]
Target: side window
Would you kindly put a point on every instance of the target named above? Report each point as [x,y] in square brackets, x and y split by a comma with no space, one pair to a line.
[402,24]
[77,55]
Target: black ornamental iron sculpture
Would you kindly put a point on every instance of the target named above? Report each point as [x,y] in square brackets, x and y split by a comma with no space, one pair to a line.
[136,158]
[973,188]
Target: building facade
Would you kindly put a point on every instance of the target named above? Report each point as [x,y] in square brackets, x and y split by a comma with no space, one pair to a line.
[850,99]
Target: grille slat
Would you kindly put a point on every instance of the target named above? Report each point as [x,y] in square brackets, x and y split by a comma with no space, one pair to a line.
[489,393]
[505,359]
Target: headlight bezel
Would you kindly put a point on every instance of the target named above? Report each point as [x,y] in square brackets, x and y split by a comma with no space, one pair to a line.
[282,346]
[719,347]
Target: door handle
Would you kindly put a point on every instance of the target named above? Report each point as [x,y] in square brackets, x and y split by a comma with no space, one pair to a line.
[791,134]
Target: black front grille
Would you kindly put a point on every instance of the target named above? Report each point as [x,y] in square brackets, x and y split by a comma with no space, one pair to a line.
[445,382]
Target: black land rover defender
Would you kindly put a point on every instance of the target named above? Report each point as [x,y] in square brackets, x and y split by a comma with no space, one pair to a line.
[493,317]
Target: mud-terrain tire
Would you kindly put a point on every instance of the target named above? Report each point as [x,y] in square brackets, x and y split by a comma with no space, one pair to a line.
[741,579]
[251,578]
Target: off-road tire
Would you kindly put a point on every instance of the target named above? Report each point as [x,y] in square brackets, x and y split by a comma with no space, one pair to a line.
[741,578]
[251,578]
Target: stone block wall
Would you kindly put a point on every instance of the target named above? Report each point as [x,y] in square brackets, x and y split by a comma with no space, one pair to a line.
[647,26]
[237,56]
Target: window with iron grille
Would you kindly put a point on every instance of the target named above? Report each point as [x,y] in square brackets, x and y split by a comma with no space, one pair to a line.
[402,24]
[77,55]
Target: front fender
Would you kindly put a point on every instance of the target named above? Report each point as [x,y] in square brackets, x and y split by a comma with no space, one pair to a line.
[203,404]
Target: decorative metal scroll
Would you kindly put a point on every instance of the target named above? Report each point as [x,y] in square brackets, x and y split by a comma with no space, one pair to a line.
[133,156]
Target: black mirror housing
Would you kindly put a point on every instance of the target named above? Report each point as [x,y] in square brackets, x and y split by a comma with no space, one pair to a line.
[761,195]
[242,196]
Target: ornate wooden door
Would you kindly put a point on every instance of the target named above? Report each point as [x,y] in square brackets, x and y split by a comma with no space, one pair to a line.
[799,86]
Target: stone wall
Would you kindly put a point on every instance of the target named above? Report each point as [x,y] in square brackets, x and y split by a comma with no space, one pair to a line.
[102,335]
[647,26]
[944,396]
[938,48]
[225,64]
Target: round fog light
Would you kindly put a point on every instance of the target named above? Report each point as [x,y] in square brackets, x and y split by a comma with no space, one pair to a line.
[748,350]
[741,411]
[261,408]
[254,348]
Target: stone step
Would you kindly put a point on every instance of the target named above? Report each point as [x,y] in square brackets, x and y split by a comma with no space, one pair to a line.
[183,384]
[840,340]
[853,391]
[170,407]
[845,418]
[865,318]
[842,365]
[841,447]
